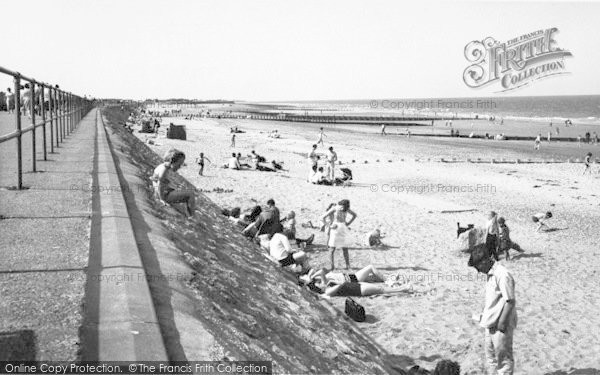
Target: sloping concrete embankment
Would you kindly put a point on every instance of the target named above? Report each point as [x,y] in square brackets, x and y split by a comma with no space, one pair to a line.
[216,297]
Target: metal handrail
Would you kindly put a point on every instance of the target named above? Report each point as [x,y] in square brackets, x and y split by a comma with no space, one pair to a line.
[64,108]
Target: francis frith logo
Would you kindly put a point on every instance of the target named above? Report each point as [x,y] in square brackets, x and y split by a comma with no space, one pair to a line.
[516,62]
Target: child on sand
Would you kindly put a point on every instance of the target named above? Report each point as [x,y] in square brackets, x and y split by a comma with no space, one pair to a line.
[540,219]
[587,161]
[200,160]
[491,239]
[163,184]
[232,140]
[505,243]
[374,238]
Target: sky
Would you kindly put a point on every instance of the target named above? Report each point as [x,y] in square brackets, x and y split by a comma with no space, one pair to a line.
[283,50]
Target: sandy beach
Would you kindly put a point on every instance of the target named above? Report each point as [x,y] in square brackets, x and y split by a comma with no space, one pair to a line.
[417,205]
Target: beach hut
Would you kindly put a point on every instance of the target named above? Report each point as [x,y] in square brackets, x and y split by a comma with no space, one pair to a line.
[176,132]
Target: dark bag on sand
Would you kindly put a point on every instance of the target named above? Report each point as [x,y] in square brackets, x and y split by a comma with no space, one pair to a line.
[354,310]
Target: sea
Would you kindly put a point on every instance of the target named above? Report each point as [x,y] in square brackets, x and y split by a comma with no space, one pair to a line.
[582,109]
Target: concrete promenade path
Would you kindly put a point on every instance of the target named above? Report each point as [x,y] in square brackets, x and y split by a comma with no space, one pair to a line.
[44,247]
[66,244]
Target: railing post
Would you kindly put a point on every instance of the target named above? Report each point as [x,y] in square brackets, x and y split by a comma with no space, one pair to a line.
[17,97]
[43,108]
[50,106]
[61,108]
[32,114]
[69,112]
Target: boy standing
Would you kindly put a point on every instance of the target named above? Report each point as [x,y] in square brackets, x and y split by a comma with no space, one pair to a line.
[505,243]
[499,316]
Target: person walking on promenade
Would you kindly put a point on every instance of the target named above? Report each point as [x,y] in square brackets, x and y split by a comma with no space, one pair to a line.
[383,129]
[538,141]
[499,316]
[10,98]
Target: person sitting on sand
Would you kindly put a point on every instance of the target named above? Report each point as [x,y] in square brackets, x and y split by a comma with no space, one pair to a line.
[374,238]
[339,230]
[265,221]
[248,218]
[289,229]
[505,243]
[234,162]
[540,219]
[318,178]
[281,250]
[162,180]
[311,174]
[446,367]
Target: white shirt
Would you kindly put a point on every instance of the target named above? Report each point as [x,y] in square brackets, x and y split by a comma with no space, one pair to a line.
[316,177]
[499,288]
[279,246]
[234,163]
[491,226]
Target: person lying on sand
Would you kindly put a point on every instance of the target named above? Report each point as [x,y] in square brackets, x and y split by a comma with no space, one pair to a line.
[289,229]
[368,274]
[278,166]
[239,158]
[350,289]
[248,218]
[540,219]
[162,180]
[505,243]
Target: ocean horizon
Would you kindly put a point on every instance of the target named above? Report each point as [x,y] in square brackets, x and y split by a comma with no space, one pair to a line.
[558,109]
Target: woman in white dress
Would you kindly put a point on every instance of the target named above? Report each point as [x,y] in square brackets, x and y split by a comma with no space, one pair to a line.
[338,230]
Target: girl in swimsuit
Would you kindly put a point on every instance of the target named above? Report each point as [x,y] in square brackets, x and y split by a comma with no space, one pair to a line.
[338,230]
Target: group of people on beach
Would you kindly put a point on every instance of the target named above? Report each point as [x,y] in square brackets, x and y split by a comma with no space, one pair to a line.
[264,226]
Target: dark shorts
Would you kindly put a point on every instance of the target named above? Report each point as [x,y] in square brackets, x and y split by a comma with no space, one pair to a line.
[349,290]
[287,261]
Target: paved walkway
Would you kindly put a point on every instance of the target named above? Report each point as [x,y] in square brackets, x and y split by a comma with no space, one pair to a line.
[44,249]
